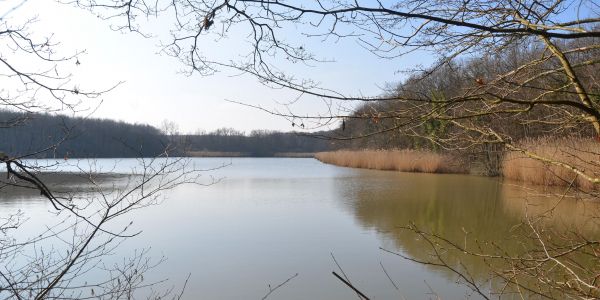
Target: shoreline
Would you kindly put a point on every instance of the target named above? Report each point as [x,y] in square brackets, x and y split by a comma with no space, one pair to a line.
[410,161]
[514,168]
[192,154]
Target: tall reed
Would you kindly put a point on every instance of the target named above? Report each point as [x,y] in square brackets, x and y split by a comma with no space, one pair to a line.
[583,154]
[398,160]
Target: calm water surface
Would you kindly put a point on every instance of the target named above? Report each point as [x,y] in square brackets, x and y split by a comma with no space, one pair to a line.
[270,218]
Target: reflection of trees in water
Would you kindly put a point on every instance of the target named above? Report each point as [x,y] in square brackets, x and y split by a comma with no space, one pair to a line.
[466,210]
[61,184]
[576,212]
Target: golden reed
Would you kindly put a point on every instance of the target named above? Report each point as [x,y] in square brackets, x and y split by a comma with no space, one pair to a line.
[397,160]
[583,154]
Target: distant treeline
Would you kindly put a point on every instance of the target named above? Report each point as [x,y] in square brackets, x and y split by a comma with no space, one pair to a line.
[62,136]
[259,143]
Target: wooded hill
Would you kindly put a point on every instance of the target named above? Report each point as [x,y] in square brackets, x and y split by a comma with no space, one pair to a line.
[47,136]
[474,107]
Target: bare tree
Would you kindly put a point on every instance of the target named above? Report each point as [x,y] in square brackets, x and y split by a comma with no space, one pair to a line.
[504,70]
[548,48]
[69,258]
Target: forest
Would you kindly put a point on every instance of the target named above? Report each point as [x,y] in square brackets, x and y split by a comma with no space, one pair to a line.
[56,136]
[473,107]
[258,143]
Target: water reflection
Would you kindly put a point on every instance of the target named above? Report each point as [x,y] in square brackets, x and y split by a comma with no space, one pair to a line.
[467,210]
[271,218]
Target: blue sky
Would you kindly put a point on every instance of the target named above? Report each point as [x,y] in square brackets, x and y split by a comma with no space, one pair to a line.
[155,90]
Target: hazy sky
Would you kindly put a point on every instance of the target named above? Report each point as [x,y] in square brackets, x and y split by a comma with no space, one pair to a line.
[155,90]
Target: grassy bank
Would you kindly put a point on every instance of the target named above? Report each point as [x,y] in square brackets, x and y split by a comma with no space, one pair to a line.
[583,154]
[397,160]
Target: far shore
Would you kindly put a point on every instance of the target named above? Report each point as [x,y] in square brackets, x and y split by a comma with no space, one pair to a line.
[247,154]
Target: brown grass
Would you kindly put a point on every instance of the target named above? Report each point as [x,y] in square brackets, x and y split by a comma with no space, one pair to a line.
[397,160]
[583,154]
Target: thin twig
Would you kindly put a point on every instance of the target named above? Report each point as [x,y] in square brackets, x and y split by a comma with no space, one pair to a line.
[271,290]
[184,286]
[388,276]
[341,270]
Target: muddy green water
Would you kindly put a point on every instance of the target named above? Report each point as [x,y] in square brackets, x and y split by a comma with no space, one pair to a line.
[268,219]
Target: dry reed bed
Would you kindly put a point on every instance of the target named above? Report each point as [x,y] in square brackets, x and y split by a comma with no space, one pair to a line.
[397,160]
[583,154]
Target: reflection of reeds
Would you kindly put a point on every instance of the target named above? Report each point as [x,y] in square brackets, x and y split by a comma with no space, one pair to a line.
[398,160]
[552,206]
[583,154]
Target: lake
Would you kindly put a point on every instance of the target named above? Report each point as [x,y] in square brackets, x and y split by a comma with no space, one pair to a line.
[267,219]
